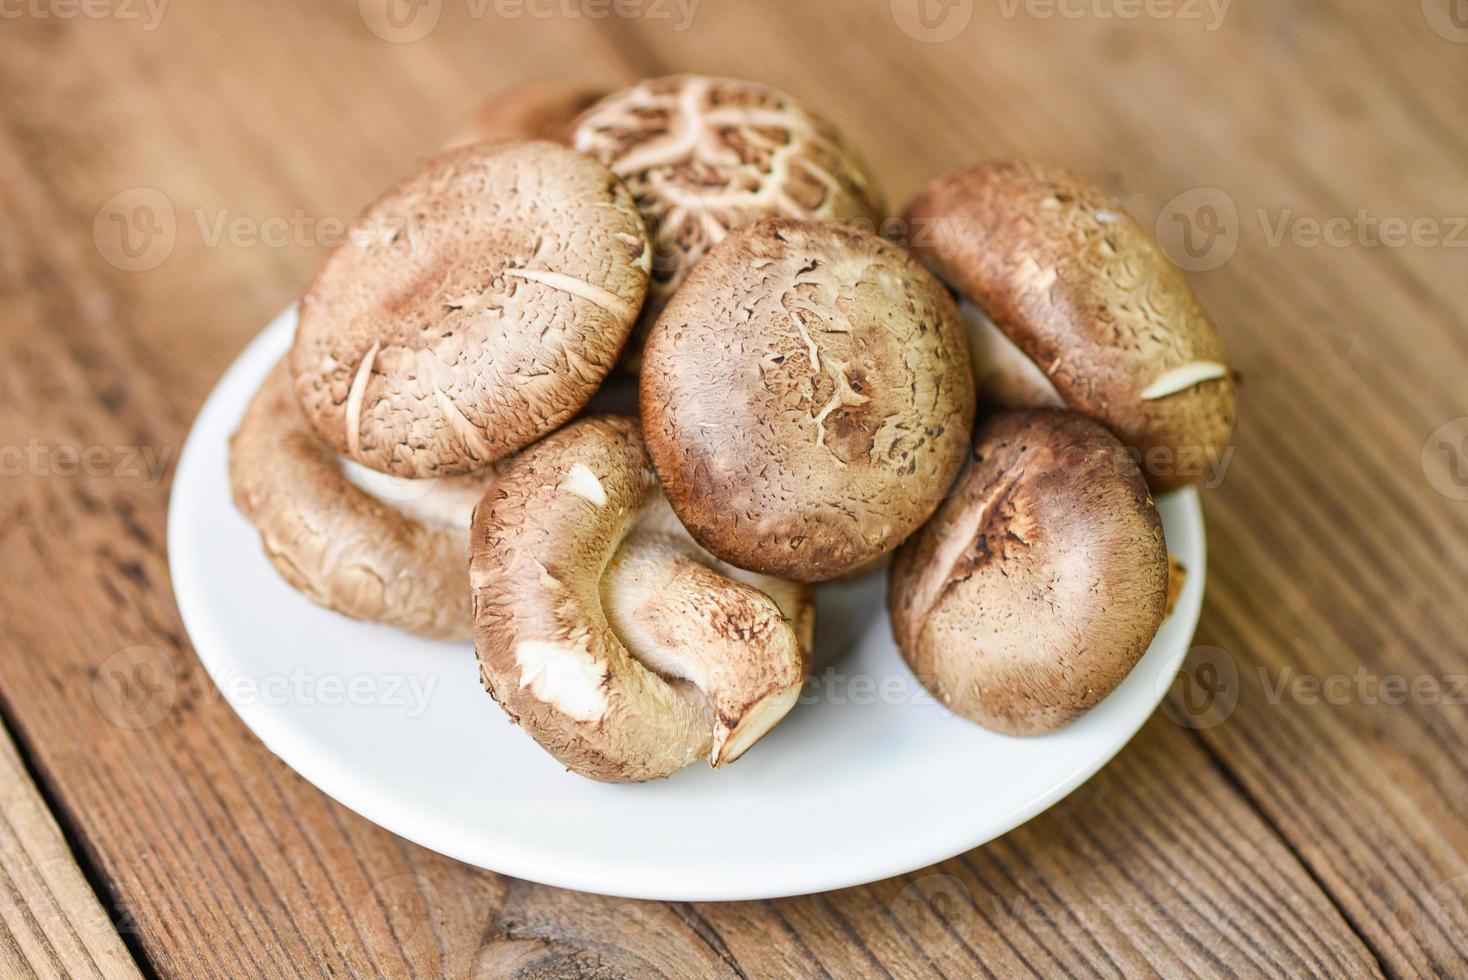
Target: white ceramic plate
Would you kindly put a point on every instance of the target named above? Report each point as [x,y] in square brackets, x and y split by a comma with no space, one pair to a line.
[867,778]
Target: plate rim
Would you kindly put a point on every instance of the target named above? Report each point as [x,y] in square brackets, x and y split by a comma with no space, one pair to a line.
[507,857]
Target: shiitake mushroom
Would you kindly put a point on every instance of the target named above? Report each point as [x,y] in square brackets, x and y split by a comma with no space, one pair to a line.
[1040,582]
[1070,302]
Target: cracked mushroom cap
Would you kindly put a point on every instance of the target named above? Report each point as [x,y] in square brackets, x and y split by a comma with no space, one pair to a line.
[1070,302]
[472,309]
[704,155]
[807,398]
[361,543]
[1039,584]
[535,111]
[618,644]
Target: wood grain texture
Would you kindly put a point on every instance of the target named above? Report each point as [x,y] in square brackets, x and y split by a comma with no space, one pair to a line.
[50,921]
[1265,831]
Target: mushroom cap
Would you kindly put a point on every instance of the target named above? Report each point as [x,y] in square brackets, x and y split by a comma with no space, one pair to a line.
[338,544]
[541,110]
[625,650]
[703,155]
[1086,294]
[807,398]
[471,309]
[1040,582]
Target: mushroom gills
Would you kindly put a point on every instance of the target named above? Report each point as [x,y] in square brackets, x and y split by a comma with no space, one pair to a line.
[689,623]
[1005,374]
[444,502]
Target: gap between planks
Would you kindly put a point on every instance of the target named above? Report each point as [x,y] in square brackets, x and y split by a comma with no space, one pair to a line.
[53,923]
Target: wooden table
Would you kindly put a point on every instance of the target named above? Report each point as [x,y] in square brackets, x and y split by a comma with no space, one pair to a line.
[168,184]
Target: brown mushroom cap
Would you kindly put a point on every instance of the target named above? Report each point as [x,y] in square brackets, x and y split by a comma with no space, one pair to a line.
[471,309]
[807,398]
[1040,582]
[400,563]
[534,111]
[625,650]
[1079,289]
[704,155]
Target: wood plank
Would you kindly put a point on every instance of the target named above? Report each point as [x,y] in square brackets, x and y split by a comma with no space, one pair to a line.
[1331,549]
[231,864]
[51,923]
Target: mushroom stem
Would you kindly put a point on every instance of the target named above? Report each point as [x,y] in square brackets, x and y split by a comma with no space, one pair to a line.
[683,620]
[366,544]
[621,646]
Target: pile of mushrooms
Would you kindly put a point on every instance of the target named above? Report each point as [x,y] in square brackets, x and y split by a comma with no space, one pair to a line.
[639,590]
